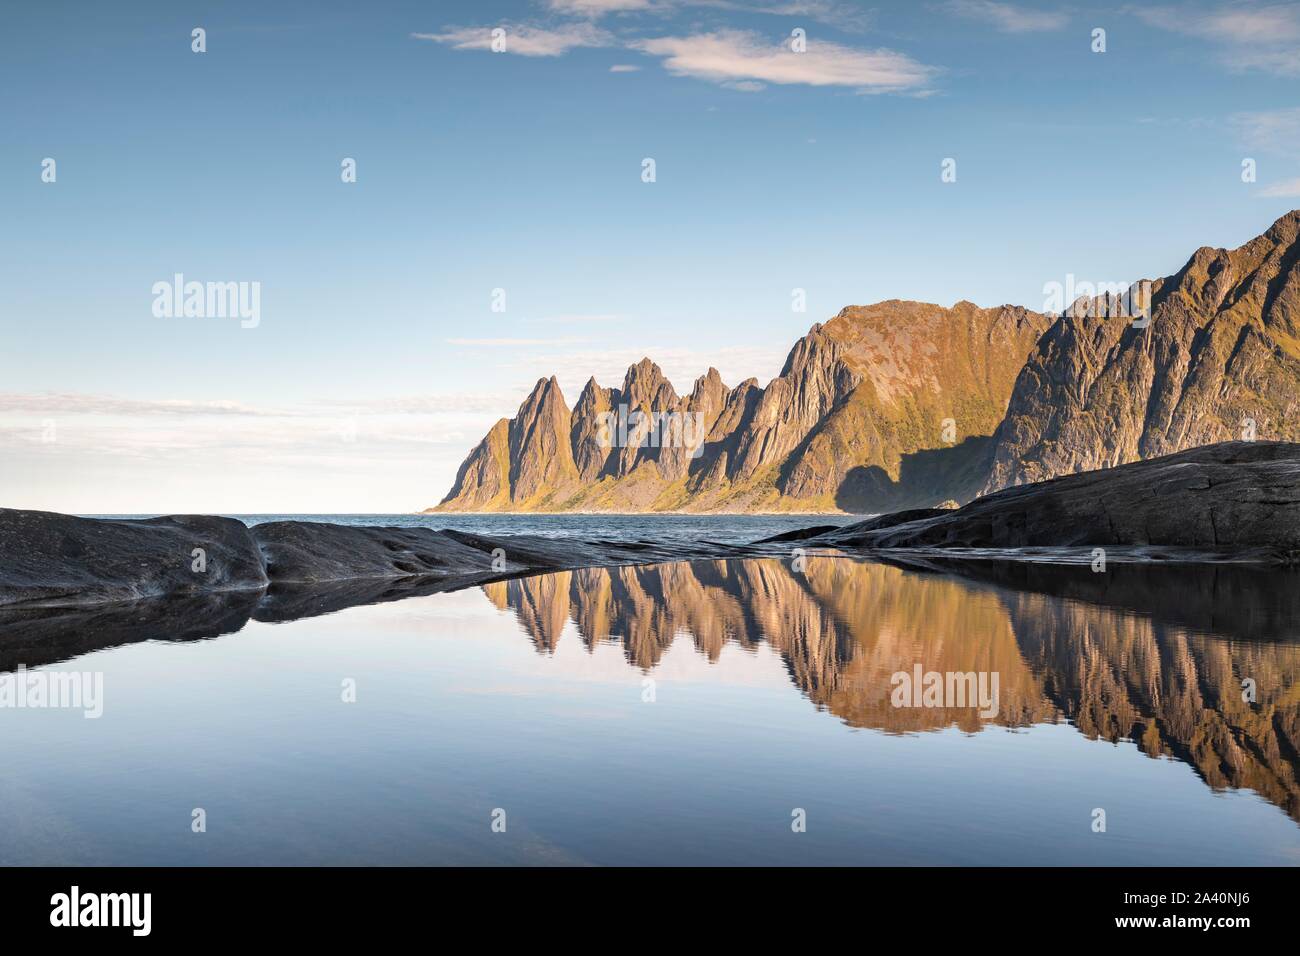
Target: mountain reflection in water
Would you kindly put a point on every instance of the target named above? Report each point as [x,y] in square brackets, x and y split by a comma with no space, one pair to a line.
[1155,655]
[528,694]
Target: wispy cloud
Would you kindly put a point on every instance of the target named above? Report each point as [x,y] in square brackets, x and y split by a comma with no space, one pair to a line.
[744,60]
[31,405]
[596,8]
[443,403]
[76,403]
[65,435]
[738,59]
[838,13]
[1274,130]
[843,16]
[345,441]
[1007,17]
[1288,188]
[1250,36]
[524,40]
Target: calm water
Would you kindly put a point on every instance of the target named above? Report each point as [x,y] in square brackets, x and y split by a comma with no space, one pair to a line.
[729,529]
[677,714]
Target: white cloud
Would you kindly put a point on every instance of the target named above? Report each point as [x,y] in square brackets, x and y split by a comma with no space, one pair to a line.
[1251,36]
[1240,23]
[445,403]
[736,59]
[742,60]
[842,16]
[75,403]
[81,453]
[1008,18]
[29,406]
[1288,187]
[524,40]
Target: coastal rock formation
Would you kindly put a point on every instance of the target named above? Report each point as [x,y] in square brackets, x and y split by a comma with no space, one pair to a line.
[1219,360]
[884,406]
[1241,498]
[51,560]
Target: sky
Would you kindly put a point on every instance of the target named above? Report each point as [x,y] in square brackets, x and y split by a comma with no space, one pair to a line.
[503,224]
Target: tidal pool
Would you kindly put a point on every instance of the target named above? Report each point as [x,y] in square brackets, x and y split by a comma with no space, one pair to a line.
[711,712]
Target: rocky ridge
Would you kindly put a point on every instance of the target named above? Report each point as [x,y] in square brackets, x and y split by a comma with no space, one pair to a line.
[858,419]
[1218,360]
[902,405]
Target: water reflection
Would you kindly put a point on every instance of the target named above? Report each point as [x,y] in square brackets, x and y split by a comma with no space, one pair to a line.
[1152,655]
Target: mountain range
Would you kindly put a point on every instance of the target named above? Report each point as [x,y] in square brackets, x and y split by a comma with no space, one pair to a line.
[907,404]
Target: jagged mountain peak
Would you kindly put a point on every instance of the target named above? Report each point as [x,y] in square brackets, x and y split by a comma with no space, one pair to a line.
[902,403]
[708,387]
[1285,230]
[546,389]
[794,444]
[1217,359]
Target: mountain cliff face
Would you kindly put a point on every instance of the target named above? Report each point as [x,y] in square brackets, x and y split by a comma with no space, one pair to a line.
[906,405]
[1219,360]
[885,406]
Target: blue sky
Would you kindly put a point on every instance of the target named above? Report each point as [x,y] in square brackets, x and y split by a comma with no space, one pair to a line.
[377,360]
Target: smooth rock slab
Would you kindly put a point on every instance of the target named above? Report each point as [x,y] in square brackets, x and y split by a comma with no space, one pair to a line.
[51,559]
[54,560]
[1233,497]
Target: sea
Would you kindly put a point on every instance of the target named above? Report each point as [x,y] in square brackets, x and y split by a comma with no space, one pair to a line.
[674,528]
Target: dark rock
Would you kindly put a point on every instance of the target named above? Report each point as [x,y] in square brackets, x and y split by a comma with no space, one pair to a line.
[799,534]
[36,636]
[52,559]
[302,552]
[1233,497]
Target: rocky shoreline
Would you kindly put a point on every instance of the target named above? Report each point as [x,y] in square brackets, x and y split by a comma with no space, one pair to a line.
[50,560]
[1231,501]
[1237,501]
